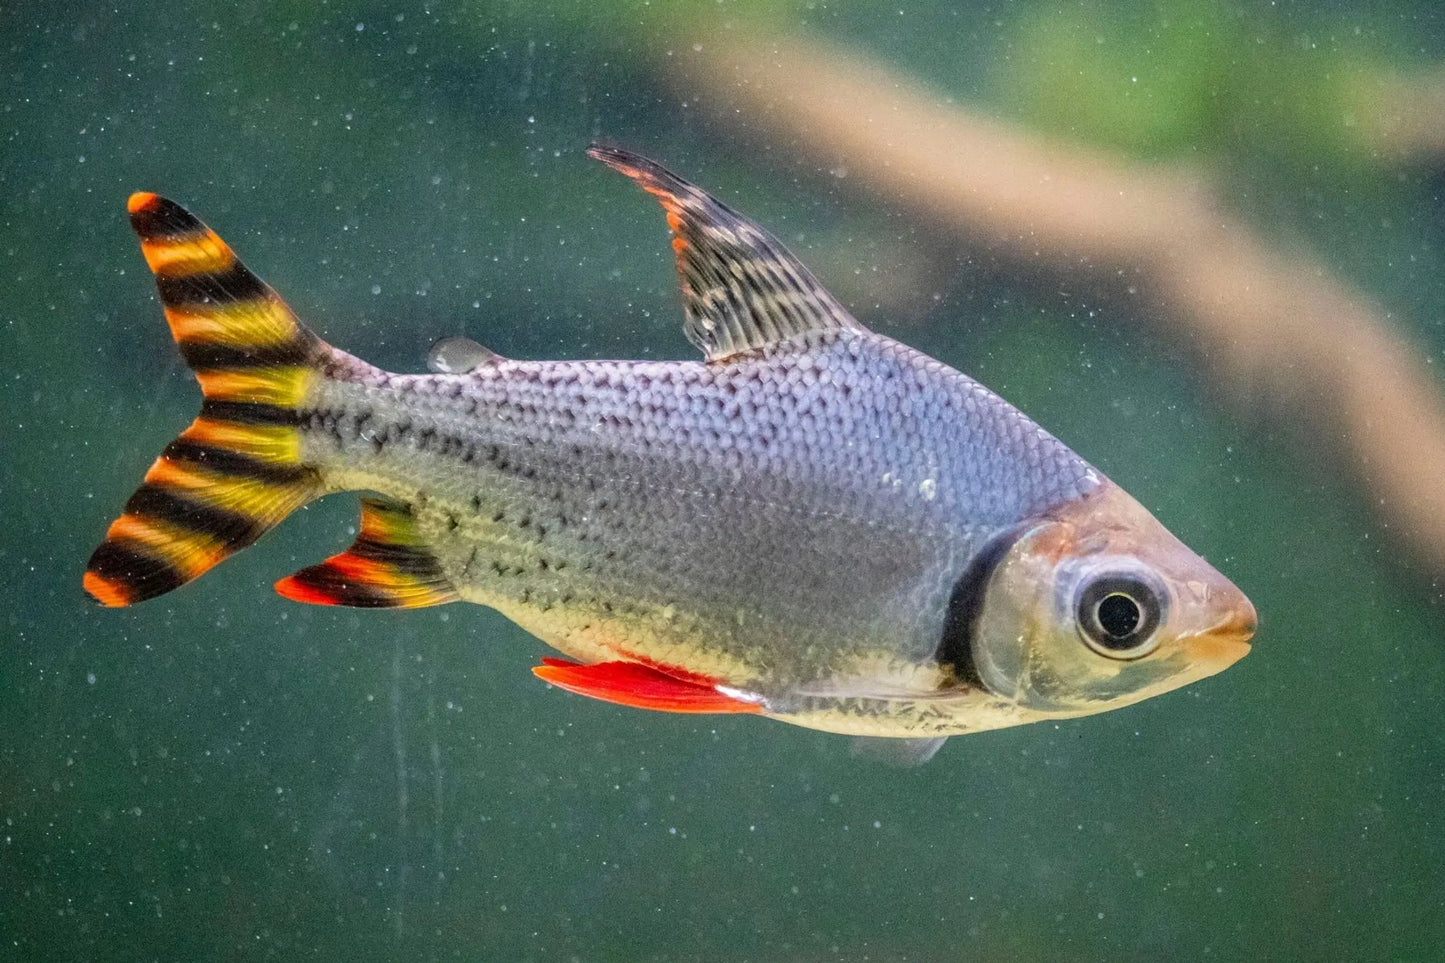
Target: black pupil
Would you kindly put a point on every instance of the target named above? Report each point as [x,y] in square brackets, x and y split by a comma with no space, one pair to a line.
[1118,615]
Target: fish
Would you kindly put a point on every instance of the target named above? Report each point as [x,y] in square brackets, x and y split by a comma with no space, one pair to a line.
[814,523]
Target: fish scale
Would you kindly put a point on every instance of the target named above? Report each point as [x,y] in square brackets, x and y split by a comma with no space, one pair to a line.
[816,523]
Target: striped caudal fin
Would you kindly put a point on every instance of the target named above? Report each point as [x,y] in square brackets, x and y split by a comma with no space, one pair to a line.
[237,470]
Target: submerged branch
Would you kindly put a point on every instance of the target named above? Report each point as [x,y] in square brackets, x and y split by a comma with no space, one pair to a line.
[1271,327]
[1400,118]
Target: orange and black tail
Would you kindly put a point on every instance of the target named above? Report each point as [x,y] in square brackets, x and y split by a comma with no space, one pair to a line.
[237,470]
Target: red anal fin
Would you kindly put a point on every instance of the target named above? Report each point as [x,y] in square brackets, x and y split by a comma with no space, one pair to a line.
[631,684]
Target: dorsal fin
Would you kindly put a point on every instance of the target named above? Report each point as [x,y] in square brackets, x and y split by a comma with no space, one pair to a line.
[741,289]
[459,356]
[387,567]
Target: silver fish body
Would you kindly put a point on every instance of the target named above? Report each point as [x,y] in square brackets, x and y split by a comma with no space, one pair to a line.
[776,515]
[817,521]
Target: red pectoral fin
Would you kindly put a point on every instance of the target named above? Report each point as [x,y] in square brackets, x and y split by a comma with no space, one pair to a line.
[632,684]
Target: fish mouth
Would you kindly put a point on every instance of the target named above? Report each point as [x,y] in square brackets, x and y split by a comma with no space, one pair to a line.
[1227,641]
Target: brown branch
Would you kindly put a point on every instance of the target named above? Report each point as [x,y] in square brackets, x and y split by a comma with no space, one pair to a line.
[1399,117]
[1272,326]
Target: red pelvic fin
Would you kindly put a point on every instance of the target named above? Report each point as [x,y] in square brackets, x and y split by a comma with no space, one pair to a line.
[639,686]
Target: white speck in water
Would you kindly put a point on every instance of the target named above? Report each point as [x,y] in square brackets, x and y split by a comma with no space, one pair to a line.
[928,488]
[376,289]
[90,678]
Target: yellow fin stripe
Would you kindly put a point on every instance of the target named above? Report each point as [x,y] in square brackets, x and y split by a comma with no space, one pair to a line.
[387,524]
[176,257]
[280,444]
[239,324]
[264,501]
[188,551]
[285,387]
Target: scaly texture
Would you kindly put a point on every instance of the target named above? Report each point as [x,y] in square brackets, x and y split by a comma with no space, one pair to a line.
[816,524]
[805,503]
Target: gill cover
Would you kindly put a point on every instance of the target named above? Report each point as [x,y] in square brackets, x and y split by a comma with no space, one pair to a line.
[1097,606]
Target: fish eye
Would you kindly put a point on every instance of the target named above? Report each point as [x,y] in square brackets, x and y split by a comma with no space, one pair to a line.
[1119,615]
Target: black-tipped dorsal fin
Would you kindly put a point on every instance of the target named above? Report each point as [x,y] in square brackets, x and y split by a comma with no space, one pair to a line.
[741,289]
[459,356]
[389,566]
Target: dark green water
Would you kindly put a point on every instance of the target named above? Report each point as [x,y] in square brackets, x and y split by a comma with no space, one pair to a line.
[222,774]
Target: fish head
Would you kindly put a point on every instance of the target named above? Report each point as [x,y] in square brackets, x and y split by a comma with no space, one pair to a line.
[1098,606]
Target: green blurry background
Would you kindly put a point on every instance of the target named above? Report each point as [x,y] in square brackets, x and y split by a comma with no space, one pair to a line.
[224,774]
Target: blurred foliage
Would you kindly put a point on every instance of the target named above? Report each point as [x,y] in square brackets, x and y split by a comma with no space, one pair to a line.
[1172,78]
